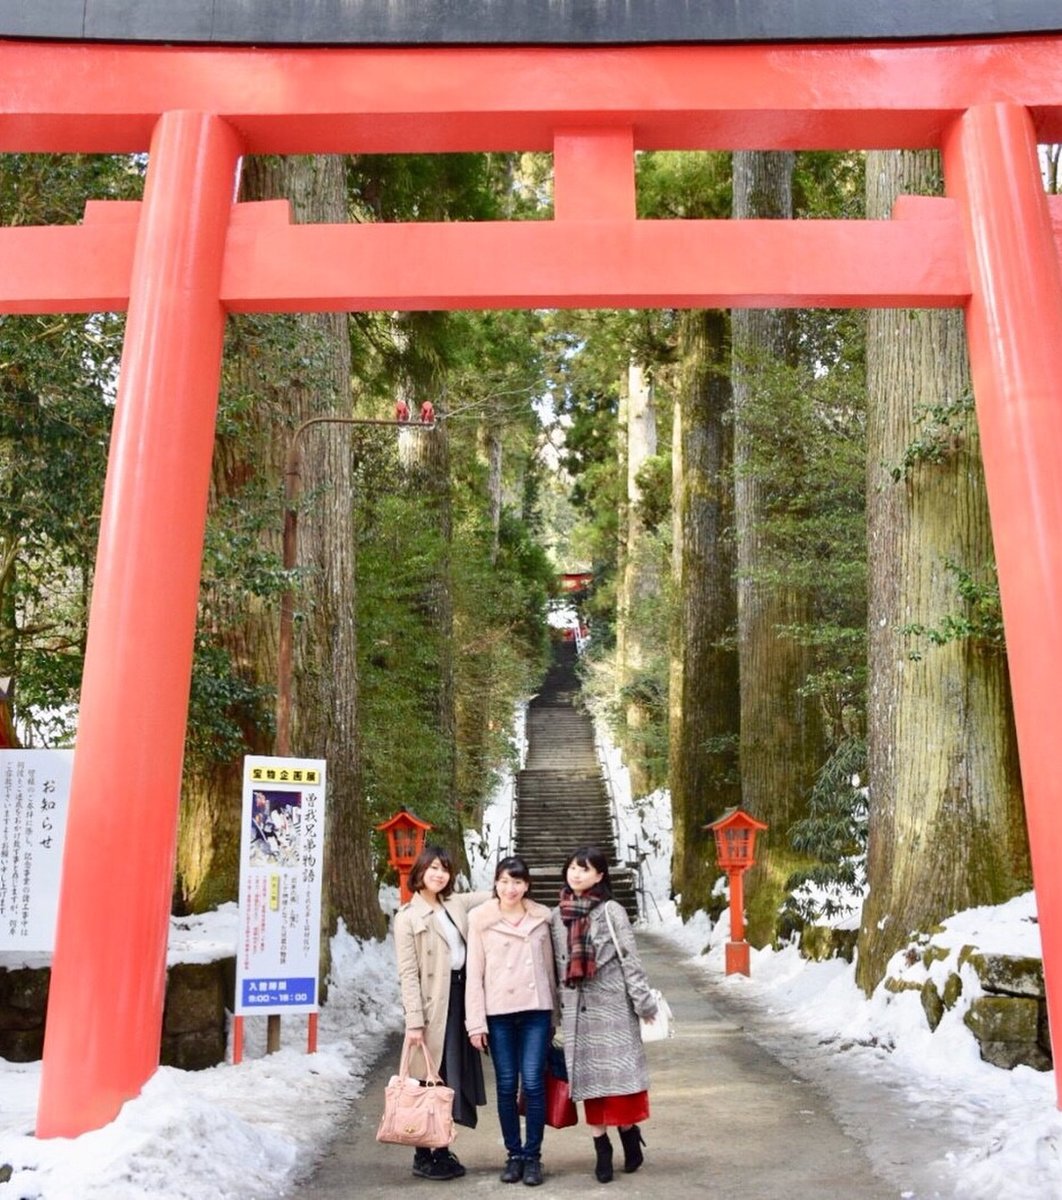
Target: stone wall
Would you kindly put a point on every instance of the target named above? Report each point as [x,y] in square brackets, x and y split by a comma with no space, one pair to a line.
[194,1022]
[1007,1015]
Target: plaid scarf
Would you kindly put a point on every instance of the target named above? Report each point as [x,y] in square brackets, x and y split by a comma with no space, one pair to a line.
[575,914]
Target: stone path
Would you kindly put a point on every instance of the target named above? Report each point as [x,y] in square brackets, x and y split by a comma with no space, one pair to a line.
[731,1121]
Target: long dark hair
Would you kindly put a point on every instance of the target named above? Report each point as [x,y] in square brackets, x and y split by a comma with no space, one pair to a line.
[594,858]
[423,861]
[516,868]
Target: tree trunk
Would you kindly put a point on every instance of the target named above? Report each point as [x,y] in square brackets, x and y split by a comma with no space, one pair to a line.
[946,821]
[491,434]
[641,578]
[425,458]
[781,738]
[704,699]
[310,377]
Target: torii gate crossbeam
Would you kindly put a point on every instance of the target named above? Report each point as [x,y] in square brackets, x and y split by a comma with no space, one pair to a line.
[185,256]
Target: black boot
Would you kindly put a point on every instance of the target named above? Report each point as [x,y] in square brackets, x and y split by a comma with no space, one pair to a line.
[532,1171]
[422,1162]
[603,1166]
[632,1140]
[427,1164]
[447,1163]
[514,1169]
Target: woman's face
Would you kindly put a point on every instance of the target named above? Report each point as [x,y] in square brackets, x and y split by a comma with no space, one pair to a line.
[581,878]
[510,890]
[436,877]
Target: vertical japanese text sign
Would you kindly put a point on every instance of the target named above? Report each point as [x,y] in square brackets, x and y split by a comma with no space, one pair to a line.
[281,843]
[34,790]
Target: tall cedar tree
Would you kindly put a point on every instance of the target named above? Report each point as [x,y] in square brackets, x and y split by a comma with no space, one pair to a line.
[704,697]
[781,743]
[278,384]
[946,822]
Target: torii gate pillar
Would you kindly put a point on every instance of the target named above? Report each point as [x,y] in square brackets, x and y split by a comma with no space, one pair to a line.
[141,633]
[1014,330]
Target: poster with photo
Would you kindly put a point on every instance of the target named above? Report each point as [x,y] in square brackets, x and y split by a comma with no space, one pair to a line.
[281,847]
[34,795]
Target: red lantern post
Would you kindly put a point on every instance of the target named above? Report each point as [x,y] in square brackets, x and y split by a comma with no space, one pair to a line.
[735,844]
[405,840]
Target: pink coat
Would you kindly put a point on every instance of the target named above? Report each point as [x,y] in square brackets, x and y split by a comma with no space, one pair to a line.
[510,967]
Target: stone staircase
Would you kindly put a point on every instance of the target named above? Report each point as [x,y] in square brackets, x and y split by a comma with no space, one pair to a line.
[561,798]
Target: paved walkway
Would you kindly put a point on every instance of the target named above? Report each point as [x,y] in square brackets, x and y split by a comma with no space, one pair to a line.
[730,1122]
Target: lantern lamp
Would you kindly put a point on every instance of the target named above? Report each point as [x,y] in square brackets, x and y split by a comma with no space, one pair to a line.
[735,847]
[405,840]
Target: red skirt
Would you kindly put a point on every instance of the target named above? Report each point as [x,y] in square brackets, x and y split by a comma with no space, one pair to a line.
[618,1110]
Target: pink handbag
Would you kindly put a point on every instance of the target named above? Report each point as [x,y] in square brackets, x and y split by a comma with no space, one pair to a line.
[416,1113]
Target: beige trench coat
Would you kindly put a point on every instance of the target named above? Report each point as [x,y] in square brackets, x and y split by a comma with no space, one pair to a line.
[424,968]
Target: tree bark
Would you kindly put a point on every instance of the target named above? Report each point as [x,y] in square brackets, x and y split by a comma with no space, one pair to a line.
[704,698]
[425,458]
[641,578]
[310,378]
[946,819]
[781,737]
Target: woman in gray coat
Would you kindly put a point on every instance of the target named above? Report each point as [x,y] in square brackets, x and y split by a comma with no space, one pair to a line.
[603,992]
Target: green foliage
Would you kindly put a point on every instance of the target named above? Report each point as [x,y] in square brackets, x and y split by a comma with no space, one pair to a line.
[430,187]
[835,833]
[829,184]
[406,754]
[981,617]
[500,641]
[654,484]
[807,452]
[57,380]
[683,184]
[943,430]
[226,708]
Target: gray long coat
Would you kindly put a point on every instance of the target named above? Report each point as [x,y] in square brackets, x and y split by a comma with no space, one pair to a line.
[424,968]
[602,1040]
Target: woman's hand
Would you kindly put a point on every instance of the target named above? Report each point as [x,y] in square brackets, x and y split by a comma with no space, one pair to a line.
[479,1040]
[415,1037]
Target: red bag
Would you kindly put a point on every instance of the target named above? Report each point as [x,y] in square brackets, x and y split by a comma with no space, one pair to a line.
[560,1107]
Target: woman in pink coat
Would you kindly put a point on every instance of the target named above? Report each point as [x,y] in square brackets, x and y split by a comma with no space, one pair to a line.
[510,997]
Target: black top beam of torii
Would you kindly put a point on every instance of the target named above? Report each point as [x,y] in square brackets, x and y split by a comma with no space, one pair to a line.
[520,22]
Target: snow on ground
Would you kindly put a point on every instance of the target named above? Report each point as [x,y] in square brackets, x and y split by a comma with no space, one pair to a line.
[253,1130]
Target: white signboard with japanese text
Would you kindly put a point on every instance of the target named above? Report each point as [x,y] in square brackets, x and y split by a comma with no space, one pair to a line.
[280,885]
[34,793]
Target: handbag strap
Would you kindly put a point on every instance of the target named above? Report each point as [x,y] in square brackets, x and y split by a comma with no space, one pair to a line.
[403,1066]
[619,955]
[612,931]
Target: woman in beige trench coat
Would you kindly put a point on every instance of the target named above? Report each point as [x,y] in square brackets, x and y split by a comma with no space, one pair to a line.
[430,934]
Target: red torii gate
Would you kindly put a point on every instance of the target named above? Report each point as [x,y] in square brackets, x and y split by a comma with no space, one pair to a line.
[187,255]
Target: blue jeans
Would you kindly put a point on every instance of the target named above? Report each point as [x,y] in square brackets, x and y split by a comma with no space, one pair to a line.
[518,1043]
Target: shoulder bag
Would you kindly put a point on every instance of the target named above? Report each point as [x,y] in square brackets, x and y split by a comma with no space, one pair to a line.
[416,1113]
[660,1027]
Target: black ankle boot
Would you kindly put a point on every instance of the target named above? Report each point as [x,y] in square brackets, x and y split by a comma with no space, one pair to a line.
[514,1169]
[632,1148]
[532,1172]
[422,1162]
[603,1166]
[447,1164]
